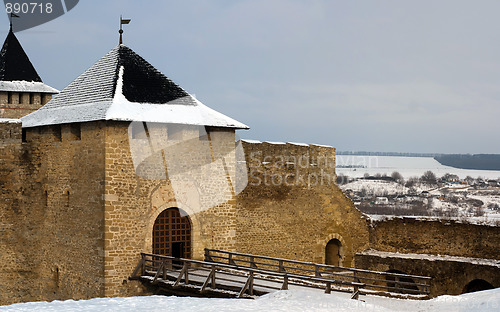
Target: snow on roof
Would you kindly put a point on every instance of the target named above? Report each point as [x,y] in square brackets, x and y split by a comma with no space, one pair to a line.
[298,144]
[321,145]
[122,86]
[275,143]
[429,257]
[487,220]
[251,141]
[26,86]
[8,120]
[282,143]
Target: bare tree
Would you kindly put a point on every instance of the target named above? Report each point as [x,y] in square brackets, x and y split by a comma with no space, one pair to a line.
[342,179]
[429,178]
[411,182]
[363,192]
[398,177]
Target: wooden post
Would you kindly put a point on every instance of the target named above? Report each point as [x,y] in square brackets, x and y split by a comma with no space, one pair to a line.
[248,285]
[355,277]
[140,267]
[213,278]
[143,264]
[316,271]
[186,277]
[281,267]
[355,294]
[165,270]
[328,288]
[285,282]
[252,263]
[210,277]
[230,259]
[183,272]
[208,258]
[160,269]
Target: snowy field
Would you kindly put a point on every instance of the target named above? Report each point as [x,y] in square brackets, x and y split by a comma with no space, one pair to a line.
[460,209]
[289,300]
[407,166]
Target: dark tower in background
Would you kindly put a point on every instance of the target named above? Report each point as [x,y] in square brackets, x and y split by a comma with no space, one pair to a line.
[21,88]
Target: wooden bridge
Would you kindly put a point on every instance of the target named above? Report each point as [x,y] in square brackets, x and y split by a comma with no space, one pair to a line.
[232,274]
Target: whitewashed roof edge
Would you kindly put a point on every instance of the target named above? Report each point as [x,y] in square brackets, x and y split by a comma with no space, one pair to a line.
[26,86]
[103,92]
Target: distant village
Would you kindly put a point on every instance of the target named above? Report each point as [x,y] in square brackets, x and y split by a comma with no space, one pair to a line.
[428,195]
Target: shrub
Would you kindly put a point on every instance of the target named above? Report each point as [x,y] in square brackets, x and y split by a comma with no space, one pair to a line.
[397,177]
[429,178]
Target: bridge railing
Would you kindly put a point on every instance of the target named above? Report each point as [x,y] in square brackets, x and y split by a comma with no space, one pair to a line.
[373,281]
[214,275]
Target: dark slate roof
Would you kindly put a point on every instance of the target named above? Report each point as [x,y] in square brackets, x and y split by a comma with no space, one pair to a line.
[145,84]
[14,63]
[123,86]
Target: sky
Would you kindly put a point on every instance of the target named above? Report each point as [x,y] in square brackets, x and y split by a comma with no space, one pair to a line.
[374,75]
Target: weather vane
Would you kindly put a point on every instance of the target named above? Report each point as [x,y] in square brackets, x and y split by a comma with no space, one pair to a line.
[122,22]
[12,15]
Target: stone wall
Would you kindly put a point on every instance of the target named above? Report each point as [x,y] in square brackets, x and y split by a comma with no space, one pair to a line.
[20,104]
[12,243]
[56,230]
[79,202]
[292,206]
[452,252]
[67,164]
[150,170]
[77,213]
[450,275]
[158,167]
[445,237]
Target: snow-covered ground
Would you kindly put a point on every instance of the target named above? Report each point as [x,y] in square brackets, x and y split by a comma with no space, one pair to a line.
[407,166]
[377,187]
[453,200]
[288,300]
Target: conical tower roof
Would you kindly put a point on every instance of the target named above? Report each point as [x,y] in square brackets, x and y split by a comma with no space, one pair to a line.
[17,74]
[122,86]
[14,63]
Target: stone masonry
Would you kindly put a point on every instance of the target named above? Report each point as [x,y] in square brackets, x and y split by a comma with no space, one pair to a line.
[292,206]
[77,211]
[454,253]
[19,104]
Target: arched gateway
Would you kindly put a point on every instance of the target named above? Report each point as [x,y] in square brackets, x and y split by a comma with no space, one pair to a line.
[333,252]
[172,234]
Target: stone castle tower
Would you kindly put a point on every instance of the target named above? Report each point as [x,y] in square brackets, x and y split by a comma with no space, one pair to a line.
[124,161]
[21,88]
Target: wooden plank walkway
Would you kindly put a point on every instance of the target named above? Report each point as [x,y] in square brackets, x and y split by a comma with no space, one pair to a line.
[230,274]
